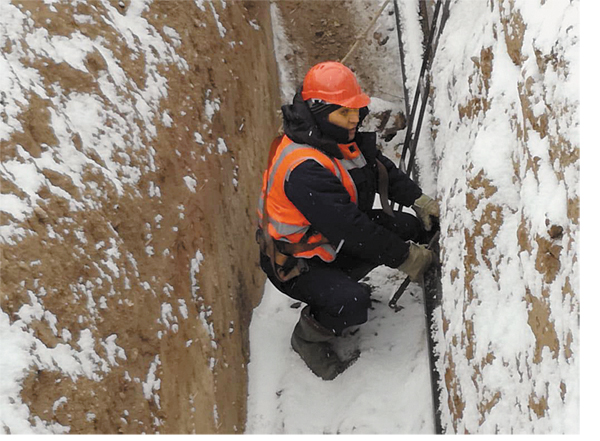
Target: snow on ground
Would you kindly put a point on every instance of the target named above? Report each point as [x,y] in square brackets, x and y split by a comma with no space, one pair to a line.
[385,391]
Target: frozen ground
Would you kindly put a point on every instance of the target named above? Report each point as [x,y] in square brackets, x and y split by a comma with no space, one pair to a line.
[385,391]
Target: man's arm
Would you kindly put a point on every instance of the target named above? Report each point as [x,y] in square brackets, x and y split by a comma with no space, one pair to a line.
[324,201]
[402,189]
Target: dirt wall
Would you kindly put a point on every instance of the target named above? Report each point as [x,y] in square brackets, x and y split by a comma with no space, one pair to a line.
[133,139]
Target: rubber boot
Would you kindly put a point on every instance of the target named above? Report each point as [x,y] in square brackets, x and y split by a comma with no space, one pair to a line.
[312,341]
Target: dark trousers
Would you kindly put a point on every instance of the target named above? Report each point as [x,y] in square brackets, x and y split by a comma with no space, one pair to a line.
[332,291]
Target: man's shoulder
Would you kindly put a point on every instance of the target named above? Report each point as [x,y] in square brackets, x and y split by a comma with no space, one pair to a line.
[367,142]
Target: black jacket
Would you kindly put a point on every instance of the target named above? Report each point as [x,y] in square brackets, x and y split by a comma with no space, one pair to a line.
[324,201]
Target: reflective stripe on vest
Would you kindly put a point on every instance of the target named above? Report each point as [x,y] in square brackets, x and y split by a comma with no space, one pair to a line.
[286,222]
[358,162]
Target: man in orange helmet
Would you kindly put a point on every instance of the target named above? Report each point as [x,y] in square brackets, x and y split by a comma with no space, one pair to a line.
[319,233]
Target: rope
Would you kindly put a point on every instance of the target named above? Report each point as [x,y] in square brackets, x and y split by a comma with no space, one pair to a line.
[366,31]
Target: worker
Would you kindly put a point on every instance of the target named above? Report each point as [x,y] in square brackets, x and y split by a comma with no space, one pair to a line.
[319,232]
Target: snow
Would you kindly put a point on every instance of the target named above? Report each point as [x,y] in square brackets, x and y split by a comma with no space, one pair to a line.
[211,107]
[93,131]
[385,391]
[152,383]
[221,146]
[119,107]
[506,281]
[220,27]
[190,183]
[282,46]
[195,263]
[589,246]
[388,389]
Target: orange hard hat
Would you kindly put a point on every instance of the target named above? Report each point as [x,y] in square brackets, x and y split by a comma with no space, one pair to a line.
[334,83]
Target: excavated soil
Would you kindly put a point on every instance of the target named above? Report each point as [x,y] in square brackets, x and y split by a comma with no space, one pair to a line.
[124,272]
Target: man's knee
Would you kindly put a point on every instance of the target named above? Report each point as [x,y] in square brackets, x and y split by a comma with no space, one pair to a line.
[353,306]
[362,296]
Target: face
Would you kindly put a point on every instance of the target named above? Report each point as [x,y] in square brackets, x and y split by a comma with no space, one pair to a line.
[346,118]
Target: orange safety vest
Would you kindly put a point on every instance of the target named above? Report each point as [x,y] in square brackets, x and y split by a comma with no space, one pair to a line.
[285,222]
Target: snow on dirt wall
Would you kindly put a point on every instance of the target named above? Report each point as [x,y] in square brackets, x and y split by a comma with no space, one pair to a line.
[132,139]
[505,132]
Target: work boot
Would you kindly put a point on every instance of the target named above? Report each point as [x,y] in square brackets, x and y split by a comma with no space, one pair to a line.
[312,341]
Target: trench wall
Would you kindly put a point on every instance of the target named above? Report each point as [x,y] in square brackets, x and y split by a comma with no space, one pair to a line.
[133,137]
[506,157]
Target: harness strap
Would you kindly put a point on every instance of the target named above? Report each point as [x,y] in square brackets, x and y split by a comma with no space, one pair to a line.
[383,181]
[264,239]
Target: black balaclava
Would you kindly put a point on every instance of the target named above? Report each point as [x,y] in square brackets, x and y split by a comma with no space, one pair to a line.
[300,124]
[321,111]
